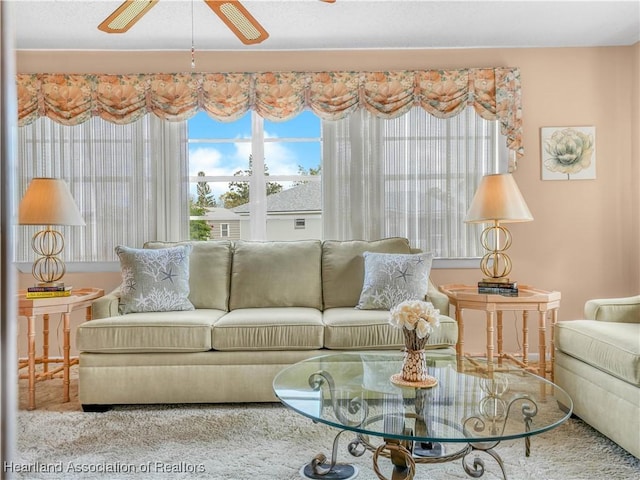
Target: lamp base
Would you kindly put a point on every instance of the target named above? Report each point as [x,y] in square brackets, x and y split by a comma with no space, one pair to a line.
[48,268]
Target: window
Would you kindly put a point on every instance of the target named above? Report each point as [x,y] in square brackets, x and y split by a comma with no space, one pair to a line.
[257,175]
[412,177]
[361,177]
[129,182]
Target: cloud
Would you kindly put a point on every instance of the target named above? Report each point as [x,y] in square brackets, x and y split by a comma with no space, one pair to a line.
[213,161]
[225,159]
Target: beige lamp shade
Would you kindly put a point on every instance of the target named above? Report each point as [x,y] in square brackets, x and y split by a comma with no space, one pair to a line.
[498,199]
[48,201]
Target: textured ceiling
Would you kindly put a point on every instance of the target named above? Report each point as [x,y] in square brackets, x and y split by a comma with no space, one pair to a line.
[345,24]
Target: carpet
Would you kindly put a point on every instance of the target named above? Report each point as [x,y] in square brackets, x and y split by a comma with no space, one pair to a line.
[255,441]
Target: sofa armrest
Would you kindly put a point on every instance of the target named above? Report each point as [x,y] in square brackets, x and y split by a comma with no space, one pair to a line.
[106,306]
[624,310]
[438,299]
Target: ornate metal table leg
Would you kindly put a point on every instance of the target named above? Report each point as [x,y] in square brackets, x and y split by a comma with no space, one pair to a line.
[404,466]
[476,469]
[318,468]
[495,412]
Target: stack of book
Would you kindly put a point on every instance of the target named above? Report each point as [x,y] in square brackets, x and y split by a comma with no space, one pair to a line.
[508,289]
[48,291]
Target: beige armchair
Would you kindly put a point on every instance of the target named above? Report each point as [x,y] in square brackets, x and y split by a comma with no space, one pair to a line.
[625,310]
[597,363]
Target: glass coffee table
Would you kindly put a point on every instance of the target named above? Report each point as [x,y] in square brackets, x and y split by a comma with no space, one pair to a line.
[464,417]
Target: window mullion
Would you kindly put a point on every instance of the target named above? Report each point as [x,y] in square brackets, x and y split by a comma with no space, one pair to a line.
[257,182]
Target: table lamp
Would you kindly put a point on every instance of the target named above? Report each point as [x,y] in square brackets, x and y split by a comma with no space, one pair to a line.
[497,200]
[48,201]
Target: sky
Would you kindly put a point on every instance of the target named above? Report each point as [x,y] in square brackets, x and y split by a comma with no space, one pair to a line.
[227,158]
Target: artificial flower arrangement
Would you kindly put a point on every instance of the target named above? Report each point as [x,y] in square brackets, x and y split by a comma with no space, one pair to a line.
[417,319]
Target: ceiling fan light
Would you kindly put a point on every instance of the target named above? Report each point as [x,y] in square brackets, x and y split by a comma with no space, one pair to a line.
[242,23]
[126,15]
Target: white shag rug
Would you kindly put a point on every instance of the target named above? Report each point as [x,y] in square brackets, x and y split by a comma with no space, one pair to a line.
[256,441]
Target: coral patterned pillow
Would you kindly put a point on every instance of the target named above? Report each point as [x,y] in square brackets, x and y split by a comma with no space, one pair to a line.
[154,280]
[392,278]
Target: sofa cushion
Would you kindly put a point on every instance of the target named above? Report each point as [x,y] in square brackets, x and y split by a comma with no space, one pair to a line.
[209,270]
[611,347]
[343,267]
[276,274]
[392,278]
[154,281]
[188,331]
[290,328]
[347,328]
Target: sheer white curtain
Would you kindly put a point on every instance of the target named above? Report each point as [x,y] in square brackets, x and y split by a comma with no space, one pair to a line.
[352,180]
[129,181]
[412,176]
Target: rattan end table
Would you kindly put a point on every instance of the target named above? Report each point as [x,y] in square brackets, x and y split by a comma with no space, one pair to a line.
[43,307]
[529,299]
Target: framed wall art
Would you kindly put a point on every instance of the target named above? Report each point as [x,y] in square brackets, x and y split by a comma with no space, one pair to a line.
[568,153]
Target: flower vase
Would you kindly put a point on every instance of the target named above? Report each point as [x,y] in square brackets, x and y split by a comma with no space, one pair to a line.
[414,371]
[414,366]
[417,320]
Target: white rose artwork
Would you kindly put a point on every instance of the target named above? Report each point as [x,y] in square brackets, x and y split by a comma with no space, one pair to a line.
[568,153]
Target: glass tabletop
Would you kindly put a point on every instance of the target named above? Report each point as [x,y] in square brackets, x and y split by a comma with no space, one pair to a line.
[470,403]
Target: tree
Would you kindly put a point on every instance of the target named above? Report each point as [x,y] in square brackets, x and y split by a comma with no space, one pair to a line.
[198,229]
[238,193]
[205,197]
[304,171]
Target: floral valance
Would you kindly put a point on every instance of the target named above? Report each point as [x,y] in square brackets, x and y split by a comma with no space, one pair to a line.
[71,99]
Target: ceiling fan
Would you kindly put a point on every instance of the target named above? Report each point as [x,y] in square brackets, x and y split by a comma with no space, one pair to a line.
[231,12]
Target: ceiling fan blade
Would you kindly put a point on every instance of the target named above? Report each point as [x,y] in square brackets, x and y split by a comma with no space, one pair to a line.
[239,20]
[126,15]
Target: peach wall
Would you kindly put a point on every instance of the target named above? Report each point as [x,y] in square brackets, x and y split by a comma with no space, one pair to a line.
[585,235]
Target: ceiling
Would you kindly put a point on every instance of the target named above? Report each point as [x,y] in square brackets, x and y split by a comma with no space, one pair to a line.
[345,24]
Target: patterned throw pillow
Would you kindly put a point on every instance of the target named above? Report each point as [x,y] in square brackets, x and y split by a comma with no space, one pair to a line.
[154,280]
[391,278]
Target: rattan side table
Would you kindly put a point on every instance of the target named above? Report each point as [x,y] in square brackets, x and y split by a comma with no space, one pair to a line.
[43,307]
[529,299]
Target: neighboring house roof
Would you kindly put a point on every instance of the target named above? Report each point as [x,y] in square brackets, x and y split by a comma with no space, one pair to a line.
[302,198]
[217,214]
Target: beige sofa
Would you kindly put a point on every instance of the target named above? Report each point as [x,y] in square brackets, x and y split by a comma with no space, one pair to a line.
[259,306]
[597,362]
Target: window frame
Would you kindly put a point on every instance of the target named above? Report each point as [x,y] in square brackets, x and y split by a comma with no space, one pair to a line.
[258,180]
